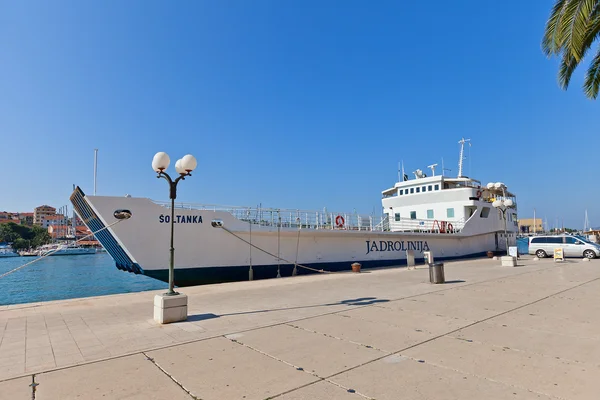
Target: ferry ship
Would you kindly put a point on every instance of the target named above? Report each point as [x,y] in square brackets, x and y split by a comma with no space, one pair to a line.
[450,217]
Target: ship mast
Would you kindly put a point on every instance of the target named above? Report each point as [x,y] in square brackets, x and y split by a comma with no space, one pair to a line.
[462,155]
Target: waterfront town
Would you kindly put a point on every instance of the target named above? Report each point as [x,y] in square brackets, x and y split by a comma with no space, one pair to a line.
[58,224]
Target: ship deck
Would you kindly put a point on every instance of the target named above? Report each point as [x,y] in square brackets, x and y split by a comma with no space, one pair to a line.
[490,332]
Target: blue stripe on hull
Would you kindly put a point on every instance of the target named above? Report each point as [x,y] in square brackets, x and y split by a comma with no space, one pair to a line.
[208,275]
[91,220]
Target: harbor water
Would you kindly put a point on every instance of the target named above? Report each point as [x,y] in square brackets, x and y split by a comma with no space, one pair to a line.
[67,277]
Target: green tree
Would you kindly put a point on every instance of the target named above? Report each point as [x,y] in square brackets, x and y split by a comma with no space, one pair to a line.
[571,30]
[21,235]
[20,244]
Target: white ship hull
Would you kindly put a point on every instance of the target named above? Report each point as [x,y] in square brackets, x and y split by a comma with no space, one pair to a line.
[207,254]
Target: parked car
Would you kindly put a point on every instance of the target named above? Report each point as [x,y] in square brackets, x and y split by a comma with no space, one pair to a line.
[573,246]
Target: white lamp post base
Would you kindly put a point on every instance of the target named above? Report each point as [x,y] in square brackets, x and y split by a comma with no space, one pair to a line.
[508,261]
[169,309]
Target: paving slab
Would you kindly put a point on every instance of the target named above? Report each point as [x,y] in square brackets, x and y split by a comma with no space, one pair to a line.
[222,369]
[16,389]
[549,344]
[322,390]
[396,377]
[131,377]
[541,374]
[294,346]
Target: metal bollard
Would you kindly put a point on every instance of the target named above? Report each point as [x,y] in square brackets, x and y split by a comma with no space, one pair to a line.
[436,273]
[410,259]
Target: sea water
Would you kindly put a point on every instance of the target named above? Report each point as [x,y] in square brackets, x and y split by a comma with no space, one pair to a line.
[67,277]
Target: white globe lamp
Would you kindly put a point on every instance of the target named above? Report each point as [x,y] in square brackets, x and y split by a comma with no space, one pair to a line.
[160,162]
[179,169]
[189,163]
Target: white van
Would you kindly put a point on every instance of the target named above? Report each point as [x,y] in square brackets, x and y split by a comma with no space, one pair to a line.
[573,246]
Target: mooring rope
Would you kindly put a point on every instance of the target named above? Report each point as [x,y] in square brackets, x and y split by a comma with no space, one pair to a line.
[274,256]
[54,251]
[294,271]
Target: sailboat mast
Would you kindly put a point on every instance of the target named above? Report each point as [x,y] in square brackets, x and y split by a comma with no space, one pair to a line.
[95,168]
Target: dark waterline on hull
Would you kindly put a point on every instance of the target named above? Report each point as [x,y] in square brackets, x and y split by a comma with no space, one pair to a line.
[210,275]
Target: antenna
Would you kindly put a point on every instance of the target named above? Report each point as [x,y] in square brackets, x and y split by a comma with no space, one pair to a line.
[461,157]
[444,169]
[95,168]
[432,167]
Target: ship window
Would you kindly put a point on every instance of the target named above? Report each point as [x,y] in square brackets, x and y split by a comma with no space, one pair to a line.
[450,212]
[485,212]
[424,188]
[413,214]
[429,188]
[437,187]
[412,190]
[397,217]
[430,214]
[400,192]
[418,190]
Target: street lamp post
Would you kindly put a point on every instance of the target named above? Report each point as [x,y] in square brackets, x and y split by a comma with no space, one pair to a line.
[503,205]
[183,167]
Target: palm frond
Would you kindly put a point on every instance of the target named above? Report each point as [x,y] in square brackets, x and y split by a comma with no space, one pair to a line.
[591,84]
[593,30]
[575,25]
[551,43]
[567,66]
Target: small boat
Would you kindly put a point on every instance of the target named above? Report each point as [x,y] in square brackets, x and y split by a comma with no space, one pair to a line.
[63,250]
[7,251]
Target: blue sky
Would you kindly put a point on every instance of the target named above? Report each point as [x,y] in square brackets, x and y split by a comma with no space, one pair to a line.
[295,104]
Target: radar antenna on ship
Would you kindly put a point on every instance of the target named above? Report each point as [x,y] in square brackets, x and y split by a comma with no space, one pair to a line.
[461,157]
[432,167]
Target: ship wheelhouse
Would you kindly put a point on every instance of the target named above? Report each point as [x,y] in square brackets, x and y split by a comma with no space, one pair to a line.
[443,204]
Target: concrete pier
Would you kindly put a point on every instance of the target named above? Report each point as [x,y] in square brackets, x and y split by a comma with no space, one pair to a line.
[529,332]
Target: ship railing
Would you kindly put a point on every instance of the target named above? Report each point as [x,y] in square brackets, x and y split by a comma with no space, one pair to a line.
[303,219]
[427,226]
[290,218]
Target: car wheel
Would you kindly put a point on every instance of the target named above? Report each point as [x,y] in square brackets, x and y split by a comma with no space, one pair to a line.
[541,254]
[589,254]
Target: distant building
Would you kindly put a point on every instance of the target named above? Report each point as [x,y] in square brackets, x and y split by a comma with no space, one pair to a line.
[26,218]
[6,217]
[56,219]
[529,225]
[42,211]
[67,232]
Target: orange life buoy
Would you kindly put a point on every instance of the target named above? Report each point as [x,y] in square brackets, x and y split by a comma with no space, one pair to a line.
[339,221]
[479,193]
